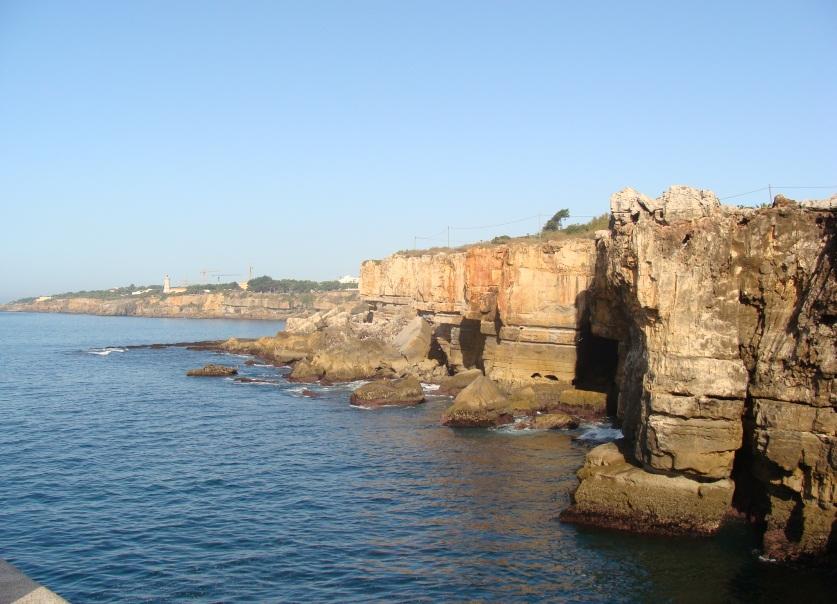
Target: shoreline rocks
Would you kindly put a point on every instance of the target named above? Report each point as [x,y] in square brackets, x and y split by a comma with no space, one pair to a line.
[405,391]
[708,331]
[553,421]
[480,405]
[615,493]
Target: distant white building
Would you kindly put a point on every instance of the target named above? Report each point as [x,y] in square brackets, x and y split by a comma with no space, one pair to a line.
[348,279]
[43,298]
[168,289]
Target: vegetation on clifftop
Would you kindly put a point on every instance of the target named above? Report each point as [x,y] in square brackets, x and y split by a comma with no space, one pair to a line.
[571,231]
[265,284]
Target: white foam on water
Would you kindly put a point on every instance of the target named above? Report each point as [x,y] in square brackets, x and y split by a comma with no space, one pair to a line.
[515,427]
[256,382]
[103,352]
[600,433]
[429,387]
[339,386]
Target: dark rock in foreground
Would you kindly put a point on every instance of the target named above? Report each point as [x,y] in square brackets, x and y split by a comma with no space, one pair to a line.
[212,370]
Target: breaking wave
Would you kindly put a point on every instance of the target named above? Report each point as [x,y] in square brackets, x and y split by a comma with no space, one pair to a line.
[599,433]
[103,352]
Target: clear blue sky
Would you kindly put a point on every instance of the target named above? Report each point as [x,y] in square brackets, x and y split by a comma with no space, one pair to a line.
[142,138]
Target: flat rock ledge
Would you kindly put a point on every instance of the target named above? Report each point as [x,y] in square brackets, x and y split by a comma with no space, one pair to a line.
[212,371]
[617,494]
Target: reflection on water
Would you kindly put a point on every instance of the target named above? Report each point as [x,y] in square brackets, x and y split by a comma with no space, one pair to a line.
[133,482]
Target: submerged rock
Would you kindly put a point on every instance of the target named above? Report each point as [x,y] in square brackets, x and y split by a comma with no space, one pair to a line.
[212,370]
[404,391]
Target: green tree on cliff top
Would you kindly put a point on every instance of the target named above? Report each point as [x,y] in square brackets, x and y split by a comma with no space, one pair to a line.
[554,223]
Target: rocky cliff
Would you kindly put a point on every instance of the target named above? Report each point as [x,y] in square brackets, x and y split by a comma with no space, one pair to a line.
[219,305]
[514,310]
[710,327]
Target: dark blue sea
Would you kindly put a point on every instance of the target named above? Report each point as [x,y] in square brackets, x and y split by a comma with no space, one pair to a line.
[123,480]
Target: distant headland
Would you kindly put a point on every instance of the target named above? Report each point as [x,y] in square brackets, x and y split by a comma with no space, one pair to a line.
[258,298]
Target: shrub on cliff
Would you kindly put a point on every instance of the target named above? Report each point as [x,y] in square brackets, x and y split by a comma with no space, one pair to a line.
[596,224]
[554,223]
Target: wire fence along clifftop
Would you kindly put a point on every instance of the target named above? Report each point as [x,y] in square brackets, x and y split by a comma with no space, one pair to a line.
[448,236]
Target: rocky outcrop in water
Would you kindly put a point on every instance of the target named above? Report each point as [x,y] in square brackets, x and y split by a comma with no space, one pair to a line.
[405,391]
[212,370]
[726,319]
[707,330]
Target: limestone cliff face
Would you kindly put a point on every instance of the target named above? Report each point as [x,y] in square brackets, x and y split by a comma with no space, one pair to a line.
[513,310]
[721,321]
[220,305]
[728,321]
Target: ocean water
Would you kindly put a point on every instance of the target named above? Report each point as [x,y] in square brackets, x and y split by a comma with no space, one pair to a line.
[123,480]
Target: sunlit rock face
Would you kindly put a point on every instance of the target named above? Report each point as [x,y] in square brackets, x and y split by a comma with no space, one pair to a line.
[717,326]
[513,310]
[726,317]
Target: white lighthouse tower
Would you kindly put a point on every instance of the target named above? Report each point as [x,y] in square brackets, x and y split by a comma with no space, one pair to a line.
[166,284]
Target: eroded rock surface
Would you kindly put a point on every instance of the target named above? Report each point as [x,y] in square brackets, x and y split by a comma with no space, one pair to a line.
[726,320]
[514,311]
[708,330]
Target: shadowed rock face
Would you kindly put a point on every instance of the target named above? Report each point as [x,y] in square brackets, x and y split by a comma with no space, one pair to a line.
[721,322]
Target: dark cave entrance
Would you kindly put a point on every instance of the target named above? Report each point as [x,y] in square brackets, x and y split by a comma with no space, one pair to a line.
[472,344]
[595,367]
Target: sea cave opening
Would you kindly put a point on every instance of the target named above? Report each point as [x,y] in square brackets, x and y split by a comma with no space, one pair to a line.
[596,363]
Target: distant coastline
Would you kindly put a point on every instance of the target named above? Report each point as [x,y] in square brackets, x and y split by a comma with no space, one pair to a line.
[213,305]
